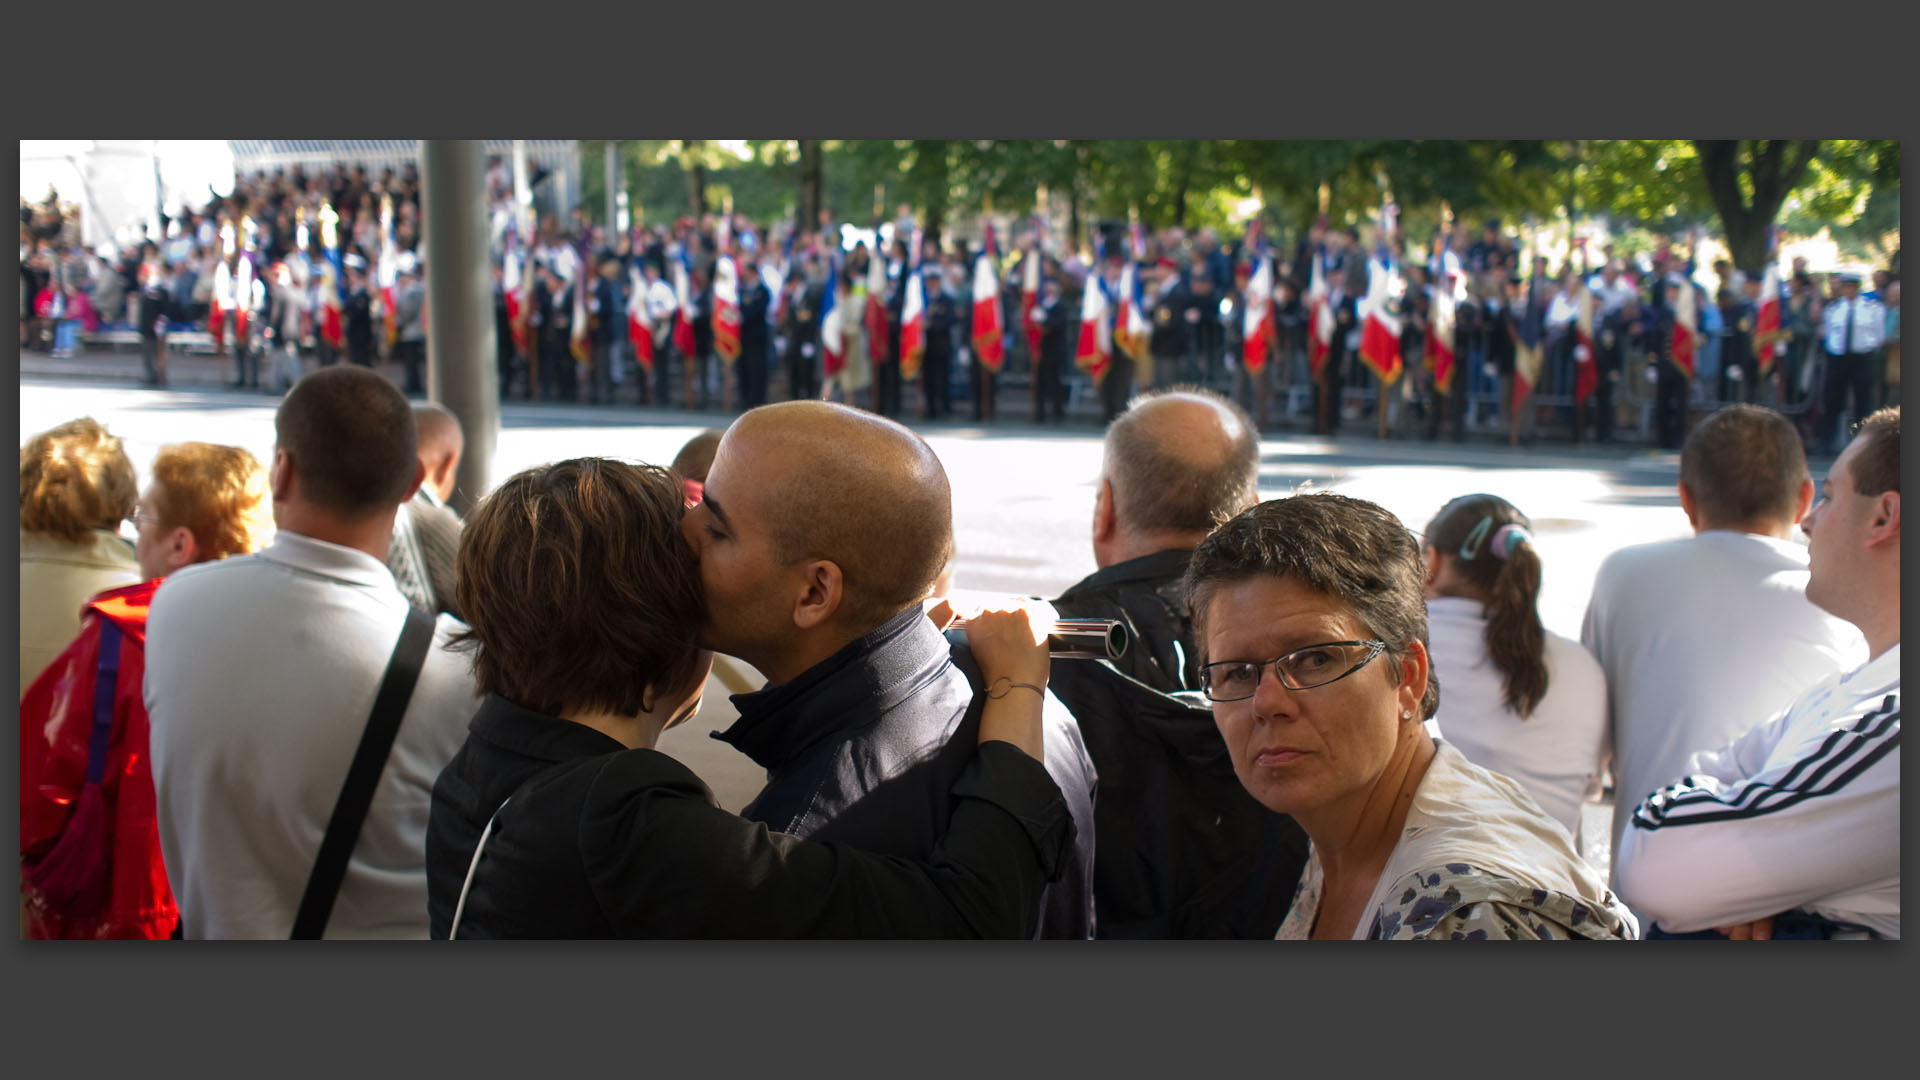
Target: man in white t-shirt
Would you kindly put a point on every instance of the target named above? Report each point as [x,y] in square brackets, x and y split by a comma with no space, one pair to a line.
[1704,637]
[1793,829]
[262,671]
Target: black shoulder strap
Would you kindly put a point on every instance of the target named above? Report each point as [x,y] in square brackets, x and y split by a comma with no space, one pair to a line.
[343,829]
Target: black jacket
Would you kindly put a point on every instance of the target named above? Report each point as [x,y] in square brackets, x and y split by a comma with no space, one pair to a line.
[600,841]
[1183,850]
[755,335]
[865,748]
[939,322]
[609,320]
[358,317]
[1146,595]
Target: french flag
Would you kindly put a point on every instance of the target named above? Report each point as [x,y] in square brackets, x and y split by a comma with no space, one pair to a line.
[1030,299]
[1766,321]
[1131,330]
[331,330]
[913,343]
[1586,373]
[833,333]
[242,296]
[577,341]
[1320,309]
[1686,333]
[989,342]
[1258,325]
[726,309]
[222,301]
[1440,323]
[510,281]
[637,329]
[1380,336]
[683,313]
[389,268]
[1526,350]
[1094,350]
[876,313]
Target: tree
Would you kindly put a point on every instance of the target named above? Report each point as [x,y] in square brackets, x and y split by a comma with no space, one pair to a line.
[1748,180]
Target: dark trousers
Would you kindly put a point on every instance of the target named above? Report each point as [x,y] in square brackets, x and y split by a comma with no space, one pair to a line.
[1670,406]
[936,384]
[1845,372]
[986,389]
[1166,368]
[1450,406]
[752,366]
[664,357]
[803,377]
[600,374]
[1600,403]
[1050,396]
[246,365]
[1115,386]
[150,356]
[557,382]
[1326,393]
[360,354]
[886,388]
[413,356]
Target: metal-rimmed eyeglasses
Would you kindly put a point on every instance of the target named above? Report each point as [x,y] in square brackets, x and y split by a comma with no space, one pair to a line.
[1302,669]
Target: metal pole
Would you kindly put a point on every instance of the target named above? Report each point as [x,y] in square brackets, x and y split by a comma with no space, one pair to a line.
[461,368]
[613,183]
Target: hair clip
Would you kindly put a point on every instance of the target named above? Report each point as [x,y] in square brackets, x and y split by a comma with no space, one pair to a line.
[1471,546]
[1507,539]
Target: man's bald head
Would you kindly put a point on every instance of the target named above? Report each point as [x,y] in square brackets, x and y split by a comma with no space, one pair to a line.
[1181,461]
[441,441]
[851,487]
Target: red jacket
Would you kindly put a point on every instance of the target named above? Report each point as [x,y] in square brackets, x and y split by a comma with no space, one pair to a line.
[56,722]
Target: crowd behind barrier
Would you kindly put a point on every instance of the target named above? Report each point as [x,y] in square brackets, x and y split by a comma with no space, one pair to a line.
[1467,333]
[1326,725]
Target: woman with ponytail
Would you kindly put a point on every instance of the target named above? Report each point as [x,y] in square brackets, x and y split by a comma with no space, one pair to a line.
[1519,700]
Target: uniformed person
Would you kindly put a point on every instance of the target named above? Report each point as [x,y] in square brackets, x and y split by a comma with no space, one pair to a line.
[936,366]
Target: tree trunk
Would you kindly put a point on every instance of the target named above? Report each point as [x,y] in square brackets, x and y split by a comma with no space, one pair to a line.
[696,177]
[809,201]
[1778,167]
[1185,181]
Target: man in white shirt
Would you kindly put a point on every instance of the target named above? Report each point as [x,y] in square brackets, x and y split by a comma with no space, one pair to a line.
[262,671]
[1854,328]
[1701,638]
[1793,829]
[1611,288]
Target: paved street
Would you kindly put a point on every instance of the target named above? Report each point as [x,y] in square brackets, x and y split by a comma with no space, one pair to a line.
[1022,494]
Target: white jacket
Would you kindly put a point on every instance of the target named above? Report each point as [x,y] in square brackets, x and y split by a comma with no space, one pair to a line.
[1799,813]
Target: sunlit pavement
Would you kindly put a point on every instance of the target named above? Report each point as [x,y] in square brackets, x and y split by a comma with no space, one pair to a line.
[1023,494]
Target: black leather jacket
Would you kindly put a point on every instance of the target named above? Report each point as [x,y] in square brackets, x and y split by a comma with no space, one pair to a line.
[864,748]
[1147,595]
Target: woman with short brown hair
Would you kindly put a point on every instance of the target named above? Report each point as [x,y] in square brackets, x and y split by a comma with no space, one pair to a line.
[558,819]
[76,487]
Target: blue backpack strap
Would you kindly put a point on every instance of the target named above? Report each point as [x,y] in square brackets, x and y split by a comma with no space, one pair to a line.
[106,684]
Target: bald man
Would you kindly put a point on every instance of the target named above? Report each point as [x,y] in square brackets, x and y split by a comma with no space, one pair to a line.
[820,531]
[1183,851]
[1176,462]
[426,531]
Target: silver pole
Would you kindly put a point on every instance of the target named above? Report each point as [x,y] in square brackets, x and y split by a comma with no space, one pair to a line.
[613,185]
[461,362]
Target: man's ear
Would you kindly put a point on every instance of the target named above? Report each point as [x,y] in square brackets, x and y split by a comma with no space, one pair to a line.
[1886,521]
[1105,520]
[821,589]
[1689,506]
[419,476]
[1806,501]
[280,477]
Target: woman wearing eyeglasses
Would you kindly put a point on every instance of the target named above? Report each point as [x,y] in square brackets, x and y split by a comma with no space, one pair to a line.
[1311,616]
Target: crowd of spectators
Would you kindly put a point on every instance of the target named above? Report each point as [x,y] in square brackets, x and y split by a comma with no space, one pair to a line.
[378,720]
[289,225]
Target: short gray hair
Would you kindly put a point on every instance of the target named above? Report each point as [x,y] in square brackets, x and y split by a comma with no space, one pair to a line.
[1156,489]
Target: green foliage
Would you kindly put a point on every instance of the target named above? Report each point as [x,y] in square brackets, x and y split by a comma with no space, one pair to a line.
[1655,186]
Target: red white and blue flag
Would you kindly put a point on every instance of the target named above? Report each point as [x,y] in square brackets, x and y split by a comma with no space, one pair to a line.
[833,331]
[1259,332]
[1380,334]
[989,335]
[638,329]
[913,344]
[876,313]
[1094,351]
[683,313]
[1131,330]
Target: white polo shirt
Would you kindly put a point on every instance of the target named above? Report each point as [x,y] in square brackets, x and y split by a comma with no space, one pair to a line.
[1555,753]
[261,670]
[1701,639]
[1802,813]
